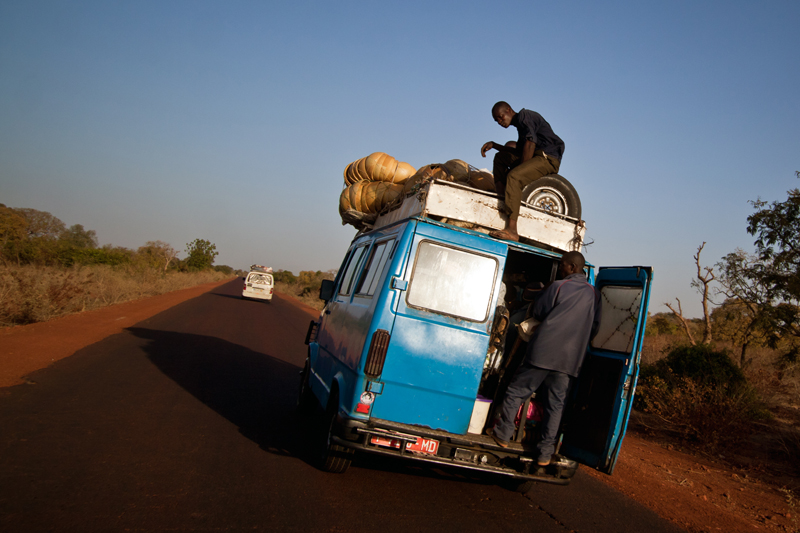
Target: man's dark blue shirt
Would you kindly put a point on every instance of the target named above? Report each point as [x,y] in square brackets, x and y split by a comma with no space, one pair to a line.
[569,311]
[533,127]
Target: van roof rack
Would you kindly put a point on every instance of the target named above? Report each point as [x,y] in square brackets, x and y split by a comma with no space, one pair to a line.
[466,207]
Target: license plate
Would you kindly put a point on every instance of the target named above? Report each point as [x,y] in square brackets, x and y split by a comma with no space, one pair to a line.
[426,446]
[258,290]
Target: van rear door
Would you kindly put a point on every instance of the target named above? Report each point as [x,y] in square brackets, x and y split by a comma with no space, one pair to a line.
[598,410]
[444,304]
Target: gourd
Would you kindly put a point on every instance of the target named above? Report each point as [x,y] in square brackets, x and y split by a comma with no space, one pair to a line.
[368,197]
[372,183]
[378,167]
[454,170]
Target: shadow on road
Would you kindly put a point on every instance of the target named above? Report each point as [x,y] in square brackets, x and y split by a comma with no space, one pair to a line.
[232,296]
[253,390]
[257,393]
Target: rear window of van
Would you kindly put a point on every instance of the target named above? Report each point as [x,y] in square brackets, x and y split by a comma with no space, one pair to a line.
[260,279]
[452,281]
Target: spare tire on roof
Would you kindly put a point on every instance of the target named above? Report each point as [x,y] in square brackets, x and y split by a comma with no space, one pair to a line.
[554,194]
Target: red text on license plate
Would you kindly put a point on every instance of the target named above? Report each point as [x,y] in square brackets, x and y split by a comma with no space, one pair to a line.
[428,446]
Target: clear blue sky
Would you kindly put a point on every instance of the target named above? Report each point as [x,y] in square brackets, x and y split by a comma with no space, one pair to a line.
[233,121]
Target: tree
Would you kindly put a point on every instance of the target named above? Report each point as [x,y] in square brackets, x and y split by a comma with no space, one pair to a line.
[661,324]
[42,223]
[284,276]
[702,284]
[776,274]
[13,230]
[158,253]
[743,316]
[201,254]
[684,322]
[41,245]
[77,237]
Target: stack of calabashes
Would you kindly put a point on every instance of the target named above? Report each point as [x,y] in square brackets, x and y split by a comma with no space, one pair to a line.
[372,183]
[454,170]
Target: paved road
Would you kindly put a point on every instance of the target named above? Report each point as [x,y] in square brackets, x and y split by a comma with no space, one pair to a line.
[185,423]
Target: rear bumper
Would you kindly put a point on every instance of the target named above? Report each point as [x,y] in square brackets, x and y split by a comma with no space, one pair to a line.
[478,453]
[257,295]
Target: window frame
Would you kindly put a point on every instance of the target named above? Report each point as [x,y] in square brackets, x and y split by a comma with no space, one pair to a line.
[361,248]
[385,258]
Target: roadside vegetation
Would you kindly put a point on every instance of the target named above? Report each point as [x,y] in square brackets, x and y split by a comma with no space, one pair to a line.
[49,270]
[304,287]
[729,382]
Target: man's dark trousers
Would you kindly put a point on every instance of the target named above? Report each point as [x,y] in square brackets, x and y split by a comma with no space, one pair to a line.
[509,170]
[525,382]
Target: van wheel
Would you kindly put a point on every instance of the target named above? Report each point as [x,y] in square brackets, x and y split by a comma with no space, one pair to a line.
[306,401]
[554,194]
[334,458]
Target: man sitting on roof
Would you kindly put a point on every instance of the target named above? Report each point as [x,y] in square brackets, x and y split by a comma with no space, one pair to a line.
[537,153]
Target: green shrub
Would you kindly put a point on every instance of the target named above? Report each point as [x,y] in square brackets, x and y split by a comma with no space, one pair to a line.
[699,394]
[701,363]
[284,276]
[660,324]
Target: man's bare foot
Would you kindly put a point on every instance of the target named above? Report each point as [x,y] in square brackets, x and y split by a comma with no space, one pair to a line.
[505,235]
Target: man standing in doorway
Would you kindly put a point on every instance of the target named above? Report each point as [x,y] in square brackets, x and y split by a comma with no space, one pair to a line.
[569,312]
[536,153]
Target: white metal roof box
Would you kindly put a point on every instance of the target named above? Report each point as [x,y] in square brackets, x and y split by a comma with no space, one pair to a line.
[470,208]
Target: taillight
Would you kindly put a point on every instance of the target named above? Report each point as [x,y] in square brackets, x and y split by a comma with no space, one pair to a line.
[377,353]
[364,402]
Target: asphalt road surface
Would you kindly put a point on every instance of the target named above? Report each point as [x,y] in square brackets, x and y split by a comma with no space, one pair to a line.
[185,422]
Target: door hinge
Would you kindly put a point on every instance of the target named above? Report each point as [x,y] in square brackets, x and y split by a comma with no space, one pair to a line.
[399,284]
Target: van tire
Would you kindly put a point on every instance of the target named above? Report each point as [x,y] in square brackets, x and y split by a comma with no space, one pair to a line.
[306,401]
[555,194]
[334,458]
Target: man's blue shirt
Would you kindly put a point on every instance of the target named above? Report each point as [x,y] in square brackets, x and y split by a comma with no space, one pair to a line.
[533,127]
[569,312]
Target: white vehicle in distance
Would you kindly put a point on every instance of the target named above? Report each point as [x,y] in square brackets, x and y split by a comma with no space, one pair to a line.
[258,283]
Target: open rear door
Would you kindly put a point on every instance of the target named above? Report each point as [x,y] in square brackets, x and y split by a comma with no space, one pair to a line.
[599,407]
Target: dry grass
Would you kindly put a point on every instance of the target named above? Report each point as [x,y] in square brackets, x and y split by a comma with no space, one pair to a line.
[300,292]
[31,294]
[656,347]
[698,413]
[777,386]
